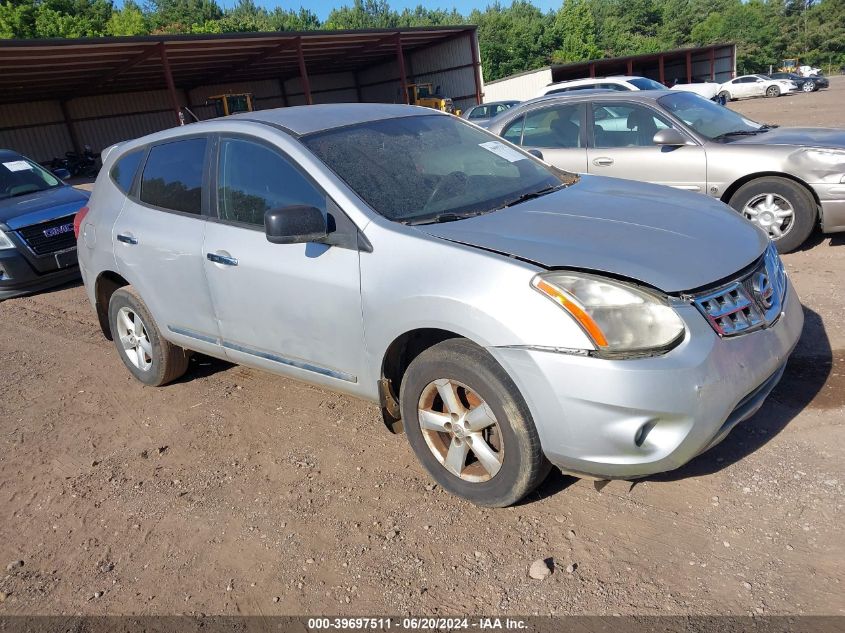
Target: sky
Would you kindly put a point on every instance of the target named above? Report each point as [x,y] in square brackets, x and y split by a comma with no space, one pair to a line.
[323,7]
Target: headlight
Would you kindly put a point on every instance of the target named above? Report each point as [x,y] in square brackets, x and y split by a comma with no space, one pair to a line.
[618,317]
[5,242]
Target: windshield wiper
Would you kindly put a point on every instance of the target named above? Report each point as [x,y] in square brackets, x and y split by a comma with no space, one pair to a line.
[446,216]
[533,194]
[741,133]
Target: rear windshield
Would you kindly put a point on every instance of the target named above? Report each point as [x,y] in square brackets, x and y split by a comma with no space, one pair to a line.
[411,168]
[644,83]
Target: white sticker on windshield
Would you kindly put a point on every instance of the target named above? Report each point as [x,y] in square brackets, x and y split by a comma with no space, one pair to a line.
[17,165]
[500,149]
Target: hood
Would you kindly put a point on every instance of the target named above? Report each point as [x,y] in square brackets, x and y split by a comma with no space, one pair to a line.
[669,239]
[803,136]
[41,206]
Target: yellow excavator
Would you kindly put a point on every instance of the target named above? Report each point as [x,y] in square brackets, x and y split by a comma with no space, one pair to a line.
[424,95]
[789,66]
[227,104]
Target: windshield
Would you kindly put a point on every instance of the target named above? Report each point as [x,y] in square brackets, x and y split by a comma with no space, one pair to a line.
[708,118]
[644,83]
[20,176]
[430,168]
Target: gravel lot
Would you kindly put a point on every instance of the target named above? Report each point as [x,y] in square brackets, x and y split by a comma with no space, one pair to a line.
[237,492]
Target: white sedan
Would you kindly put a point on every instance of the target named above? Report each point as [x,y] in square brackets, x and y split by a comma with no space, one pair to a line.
[756,86]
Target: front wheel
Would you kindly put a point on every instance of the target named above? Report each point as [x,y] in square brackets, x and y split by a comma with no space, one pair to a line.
[772,91]
[779,206]
[469,425]
[809,86]
[724,96]
[147,355]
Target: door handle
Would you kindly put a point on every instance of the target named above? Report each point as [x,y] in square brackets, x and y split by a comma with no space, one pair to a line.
[222,259]
[127,239]
[603,161]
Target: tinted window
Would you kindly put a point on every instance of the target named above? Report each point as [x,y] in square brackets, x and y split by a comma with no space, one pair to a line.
[479,113]
[553,127]
[123,172]
[625,125]
[643,83]
[173,176]
[608,86]
[252,179]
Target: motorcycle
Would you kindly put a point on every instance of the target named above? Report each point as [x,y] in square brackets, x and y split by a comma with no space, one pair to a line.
[86,164]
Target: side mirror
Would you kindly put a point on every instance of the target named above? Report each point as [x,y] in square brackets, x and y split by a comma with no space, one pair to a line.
[669,136]
[296,224]
[536,153]
[61,173]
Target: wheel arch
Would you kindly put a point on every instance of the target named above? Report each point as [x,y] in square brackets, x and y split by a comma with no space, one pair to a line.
[734,186]
[107,283]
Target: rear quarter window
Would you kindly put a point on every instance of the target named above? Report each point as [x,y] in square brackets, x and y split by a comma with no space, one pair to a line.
[172,177]
[124,170]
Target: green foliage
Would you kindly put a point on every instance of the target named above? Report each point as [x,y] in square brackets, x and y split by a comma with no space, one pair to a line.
[513,37]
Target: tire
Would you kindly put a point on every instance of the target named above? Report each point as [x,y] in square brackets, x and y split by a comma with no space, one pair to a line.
[725,95]
[800,200]
[162,362]
[772,91]
[471,375]
[809,86]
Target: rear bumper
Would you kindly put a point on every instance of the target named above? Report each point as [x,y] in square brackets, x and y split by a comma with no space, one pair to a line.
[18,277]
[625,419]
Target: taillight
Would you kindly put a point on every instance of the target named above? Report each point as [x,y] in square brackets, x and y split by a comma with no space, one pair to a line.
[77,221]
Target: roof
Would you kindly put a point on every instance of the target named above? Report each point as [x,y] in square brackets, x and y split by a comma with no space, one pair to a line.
[62,69]
[316,118]
[611,95]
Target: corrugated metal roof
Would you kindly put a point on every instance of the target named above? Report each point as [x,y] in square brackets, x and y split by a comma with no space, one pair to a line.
[62,69]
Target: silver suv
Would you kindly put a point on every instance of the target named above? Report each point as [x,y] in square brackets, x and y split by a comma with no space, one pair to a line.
[505,314]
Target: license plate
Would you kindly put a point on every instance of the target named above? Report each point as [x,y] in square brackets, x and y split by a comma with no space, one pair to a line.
[66,258]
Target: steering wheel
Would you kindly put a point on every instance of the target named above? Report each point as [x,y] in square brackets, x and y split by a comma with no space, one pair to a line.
[457,177]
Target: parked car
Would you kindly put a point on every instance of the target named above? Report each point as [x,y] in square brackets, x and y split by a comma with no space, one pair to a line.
[481,114]
[37,247]
[785,180]
[804,84]
[621,83]
[706,89]
[748,86]
[511,315]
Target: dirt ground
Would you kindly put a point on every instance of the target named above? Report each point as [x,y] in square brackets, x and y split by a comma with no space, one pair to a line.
[237,492]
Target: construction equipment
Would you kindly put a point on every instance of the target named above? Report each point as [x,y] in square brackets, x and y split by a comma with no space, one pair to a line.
[227,104]
[424,95]
[789,66]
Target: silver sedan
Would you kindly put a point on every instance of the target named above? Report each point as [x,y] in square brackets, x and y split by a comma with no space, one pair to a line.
[785,180]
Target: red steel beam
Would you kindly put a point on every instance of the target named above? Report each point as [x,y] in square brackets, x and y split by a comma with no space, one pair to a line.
[303,72]
[171,86]
[400,60]
[689,67]
[712,64]
[662,73]
[476,66]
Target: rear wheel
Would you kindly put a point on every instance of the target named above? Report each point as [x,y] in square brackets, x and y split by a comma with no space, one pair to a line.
[781,207]
[725,96]
[772,91]
[150,358]
[469,425]
[809,86]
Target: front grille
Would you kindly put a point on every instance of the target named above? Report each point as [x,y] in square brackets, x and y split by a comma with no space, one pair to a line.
[49,237]
[751,302]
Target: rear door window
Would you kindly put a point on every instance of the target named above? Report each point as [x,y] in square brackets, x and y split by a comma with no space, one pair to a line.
[123,172]
[172,176]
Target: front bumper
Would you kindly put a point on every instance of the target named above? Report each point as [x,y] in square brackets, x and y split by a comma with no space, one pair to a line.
[18,277]
[623,419]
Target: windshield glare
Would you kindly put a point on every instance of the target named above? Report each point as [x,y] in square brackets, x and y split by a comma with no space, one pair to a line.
[20,176]
[706,117]
[420,167]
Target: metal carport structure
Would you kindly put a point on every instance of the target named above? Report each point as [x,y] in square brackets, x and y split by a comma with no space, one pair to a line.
[58,94]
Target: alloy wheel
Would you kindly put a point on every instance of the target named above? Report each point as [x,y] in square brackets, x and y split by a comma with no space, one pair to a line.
[134,338]
[808,86]
[461,430]
[771,212]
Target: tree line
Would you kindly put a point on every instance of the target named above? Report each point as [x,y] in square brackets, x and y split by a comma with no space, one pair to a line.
[512,38]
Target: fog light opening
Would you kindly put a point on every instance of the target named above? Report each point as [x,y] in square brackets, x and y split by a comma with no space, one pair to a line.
[643,431]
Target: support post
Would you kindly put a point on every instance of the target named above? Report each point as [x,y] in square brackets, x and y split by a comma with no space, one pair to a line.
[283,91]
[476,66]
[357,86]
[592,70]
[689,67]
[712,64]
[630,67]
[171,86]
[400,61]
[303,72]
[661,70]
[74,137]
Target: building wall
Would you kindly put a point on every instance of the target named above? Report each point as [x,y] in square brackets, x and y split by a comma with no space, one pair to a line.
[523,86]
[39,130]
